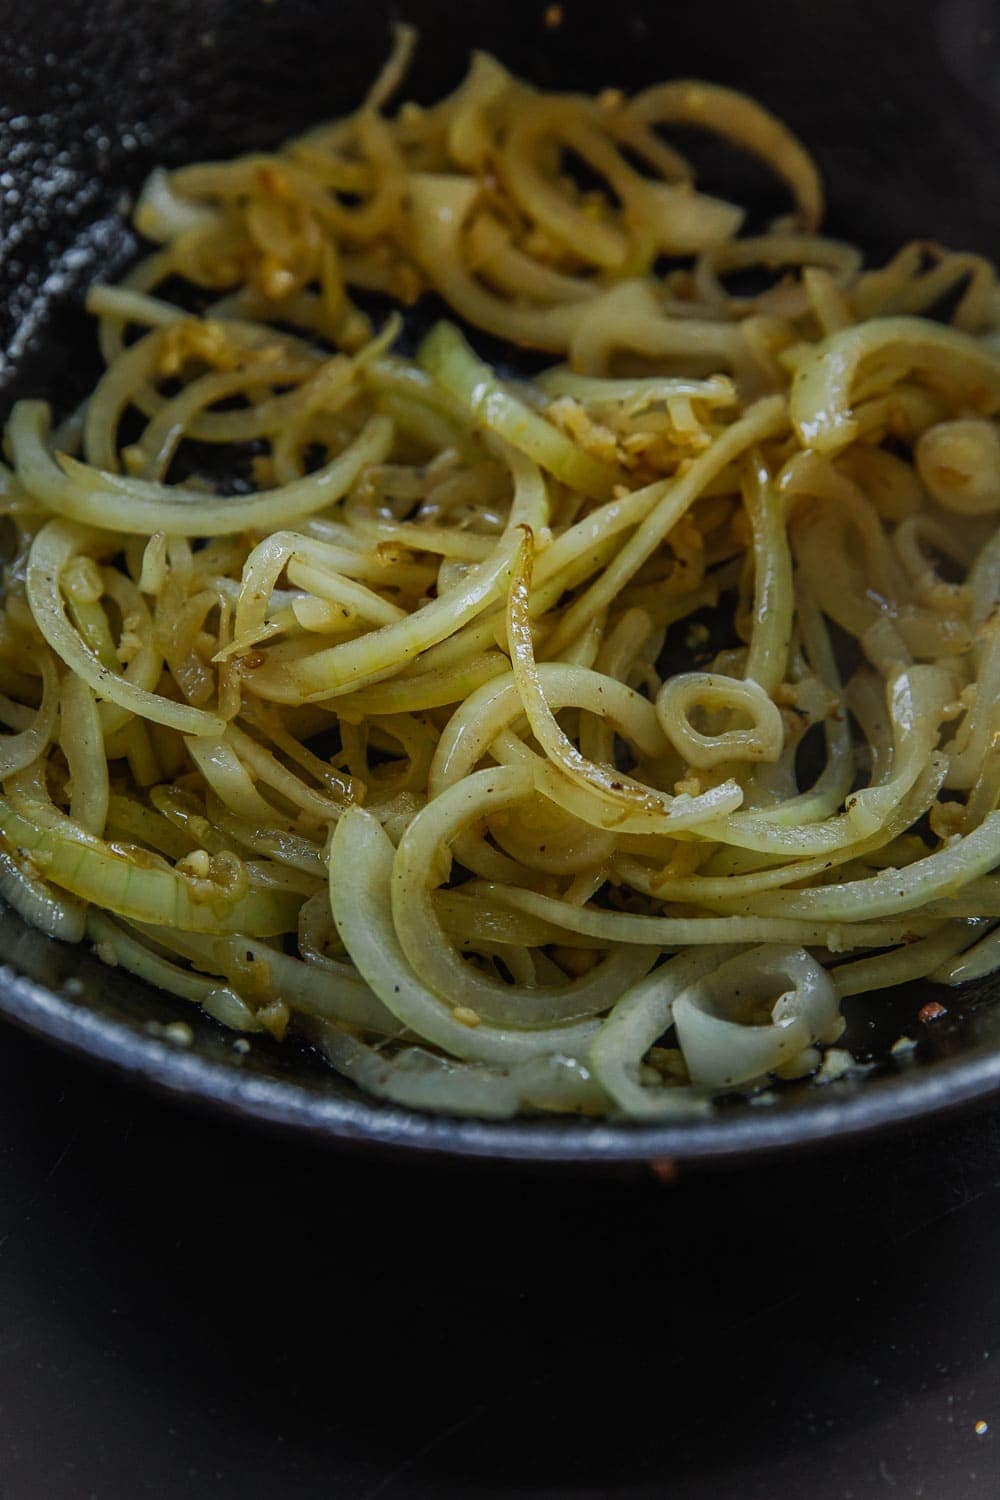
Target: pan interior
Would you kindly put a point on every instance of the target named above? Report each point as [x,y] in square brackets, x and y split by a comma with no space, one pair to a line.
[94,96]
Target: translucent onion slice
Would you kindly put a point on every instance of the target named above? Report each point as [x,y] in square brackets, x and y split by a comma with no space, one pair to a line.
[162,215]
[229,779]
[18,751]
[447,357]
[361,858]
[710,888]
[639,1018]
[670,933]
[116,945]
[424,1080]
[124,885]
[134,506]
[53,547]
[722,1047]
[419,691]
[380,653]
[912,961]
[620,793]
[440,203]
[423,861]
[775,251]
[774,593]
[821,399]
[669,500]
[634,394]
[495,256]
[892,892]
[975,963]
[914,761]
[328,991]
[680,694]
[82,743]
[51,911]
[744,122]
[496,705]
[417,1078]
[126,305]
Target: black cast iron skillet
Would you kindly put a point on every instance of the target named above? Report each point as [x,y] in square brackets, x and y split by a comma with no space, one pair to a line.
[901,105]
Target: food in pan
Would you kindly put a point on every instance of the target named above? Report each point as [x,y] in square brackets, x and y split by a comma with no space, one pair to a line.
[574,741]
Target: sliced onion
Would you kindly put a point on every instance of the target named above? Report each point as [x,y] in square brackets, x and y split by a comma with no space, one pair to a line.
[361,858]
[55,544]
[448,358]
[622,794]
[51,911]
[722,1051]
[18,751]
[821,399]
[113,943]
[639,1018]
[136,506]
[98,873]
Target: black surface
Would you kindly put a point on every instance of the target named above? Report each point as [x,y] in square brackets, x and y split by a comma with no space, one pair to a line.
[190,1309]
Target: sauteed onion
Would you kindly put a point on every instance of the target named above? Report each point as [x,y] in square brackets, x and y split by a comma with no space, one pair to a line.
[574,742]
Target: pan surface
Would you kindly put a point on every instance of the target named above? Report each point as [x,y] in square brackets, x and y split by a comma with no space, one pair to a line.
[900,106]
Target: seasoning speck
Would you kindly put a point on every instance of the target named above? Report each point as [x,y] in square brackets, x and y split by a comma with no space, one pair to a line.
[932,1011]
[836,1064]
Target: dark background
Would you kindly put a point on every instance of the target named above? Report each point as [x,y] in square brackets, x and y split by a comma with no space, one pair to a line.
[189,1309]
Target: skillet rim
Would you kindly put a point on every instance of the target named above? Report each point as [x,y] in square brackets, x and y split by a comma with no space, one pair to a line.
[729,1137]
[842,1112]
